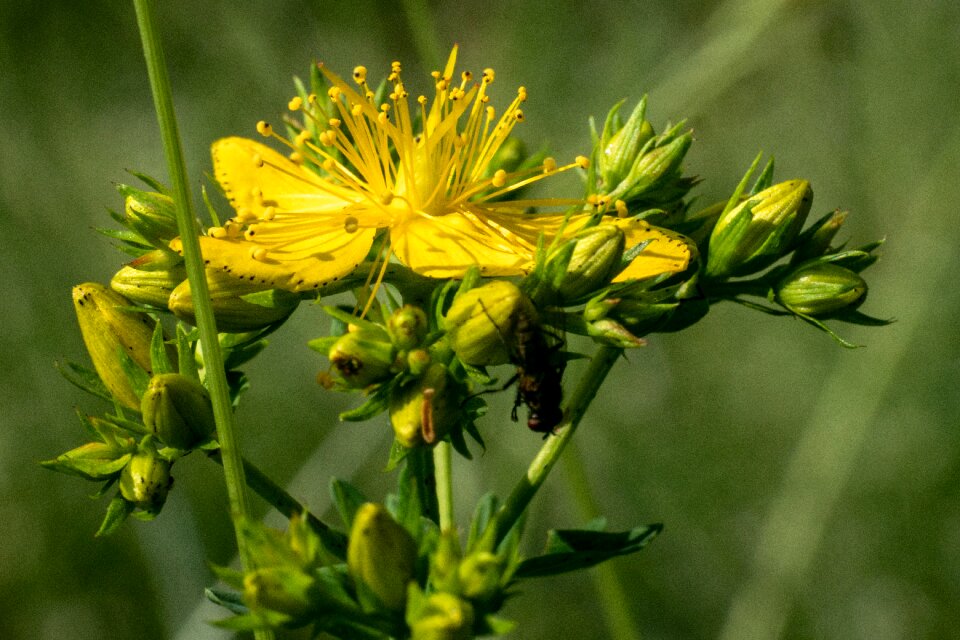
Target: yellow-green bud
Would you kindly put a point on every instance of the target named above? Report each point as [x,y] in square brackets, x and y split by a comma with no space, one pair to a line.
[758,231]
[145,481]
[283,589]
[362,358]
[596,258]
[233,313]
[480,574]
[408,327]
[619,150]
[152,215]
[150,287]
[444,617]
[821,289]
[177,410]
[480,322]
[107,325]
[381,554]
[423,411]
[418,360]
[654,169]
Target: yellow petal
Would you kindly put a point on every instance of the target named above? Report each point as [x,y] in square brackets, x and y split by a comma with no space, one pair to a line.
[331,257]
[446,246]
[255,177]
[668,252]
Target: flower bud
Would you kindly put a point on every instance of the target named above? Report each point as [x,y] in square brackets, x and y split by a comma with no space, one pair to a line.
[177,410]
[481,322]
[407,327]
[145,481]
[480,574]
[757,232]
[381,554]
[443,617]
[622,321]
[234,314]
[362,358]
[425,410]
[815,241]
[148,287]
[820,289]
[287,590]
[656,169]
[152,215]
[418,360]
[108,325]
[619,148]
[595,260]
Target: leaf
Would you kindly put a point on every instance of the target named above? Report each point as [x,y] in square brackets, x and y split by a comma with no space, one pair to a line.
[572,549]
[482,515]
[376,403]
[84,379]
[397,453]
[159,360]
[347,499]
[229,600]
[138,378]
[324,344]
[117,512]
[186,358]
[348,318]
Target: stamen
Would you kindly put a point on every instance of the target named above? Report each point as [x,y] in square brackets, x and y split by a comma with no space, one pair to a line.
[360,74]
[549,165]
[582,161]
[499,178]
[264,129]
[621,207]
[295,104]
[259,254]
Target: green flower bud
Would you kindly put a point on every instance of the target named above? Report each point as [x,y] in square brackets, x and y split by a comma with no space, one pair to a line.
[444,617]
[418,360]
[362,358]
[596,258]
[656,169]
[152,215]
[820,289]
[231,306]
[622,321]
[423,411]
[480,575]
[407,327]
[287,590]
[145,481]
[177,410]
[149,287]
[107,325]
[480,322]
[381,554]
[619,148]
[758,231]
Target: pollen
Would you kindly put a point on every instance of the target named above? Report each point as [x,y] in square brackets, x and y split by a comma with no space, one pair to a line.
[264,129]
[259,254]
[295,104]
[268,214]
[360,74]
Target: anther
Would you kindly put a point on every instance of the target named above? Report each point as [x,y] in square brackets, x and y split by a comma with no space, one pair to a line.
[491,113]
[422,100]
[356,110]
[499,178]
[466,76]
[329,164]
[360,74]
[522,94]
[334,93]
[383,118]
[312,98]
[301,138]
[268,214]
[295,103]
[264,129]
[257,160]
[582,161]
[549,165]
[488,75]
[621,207]
[351,224]
[334,123]
[217,232]
[518,115]
[259,254]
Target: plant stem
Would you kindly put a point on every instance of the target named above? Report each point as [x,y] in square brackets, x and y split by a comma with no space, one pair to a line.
[186,224]
[443,470]
[613,597]
[279,499]
[549,453]
[419,466]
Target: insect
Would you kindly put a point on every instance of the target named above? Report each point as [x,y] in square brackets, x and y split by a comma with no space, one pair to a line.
[539,376]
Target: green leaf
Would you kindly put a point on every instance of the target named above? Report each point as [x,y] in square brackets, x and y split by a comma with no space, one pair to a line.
[117,512]
[347,317]
[323,345]
[159,360]
[347,499]
[482,515]
[138,378]
[397,454]
[376,403]
[229,600]
[84,379]
[498,626]
[571,550]
[764,180]
[77,463]
[186,358]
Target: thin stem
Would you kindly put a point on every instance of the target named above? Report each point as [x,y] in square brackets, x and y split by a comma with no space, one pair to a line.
[443,470]
[286,504]
[549,453]
[613,597]
[215,377]
[419,470]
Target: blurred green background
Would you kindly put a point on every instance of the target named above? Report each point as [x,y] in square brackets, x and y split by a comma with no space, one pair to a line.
[807,491]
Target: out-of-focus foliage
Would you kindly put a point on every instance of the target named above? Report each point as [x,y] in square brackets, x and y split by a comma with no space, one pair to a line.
[711,432]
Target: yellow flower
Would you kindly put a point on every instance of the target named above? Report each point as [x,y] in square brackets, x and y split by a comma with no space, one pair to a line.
[306,220]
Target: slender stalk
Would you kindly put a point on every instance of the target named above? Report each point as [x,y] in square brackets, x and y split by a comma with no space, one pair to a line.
[419,470]
[549,453]
[443,471]
[613,597]
[286,504]
[216,380]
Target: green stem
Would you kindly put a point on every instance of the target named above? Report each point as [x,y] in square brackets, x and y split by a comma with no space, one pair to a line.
[549,453]
[613,597]
[421,471]
[279,499]
[215,377]
[443,470]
